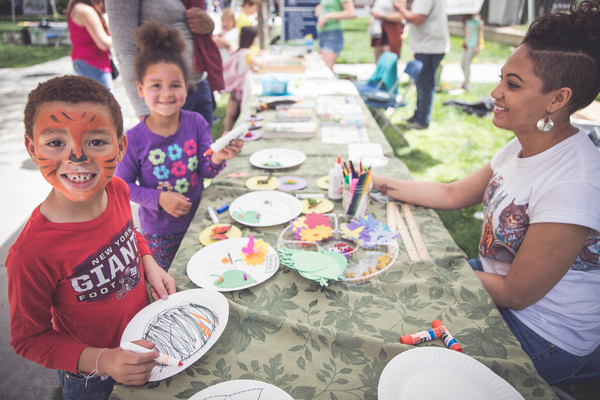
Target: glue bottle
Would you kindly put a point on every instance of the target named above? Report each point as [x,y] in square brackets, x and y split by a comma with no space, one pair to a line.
[336,181]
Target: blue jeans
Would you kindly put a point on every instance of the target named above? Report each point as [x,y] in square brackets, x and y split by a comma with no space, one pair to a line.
[200,99]
[75,387]
[551,362]
[84,69]
[332,41]
[425,83]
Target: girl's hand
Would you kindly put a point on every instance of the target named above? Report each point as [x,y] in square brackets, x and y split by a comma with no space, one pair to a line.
[228,152]
[322,20]
[161,283]
[127,367]
[174,203]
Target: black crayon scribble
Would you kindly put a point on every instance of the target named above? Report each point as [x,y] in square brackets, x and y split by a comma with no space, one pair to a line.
[182,330]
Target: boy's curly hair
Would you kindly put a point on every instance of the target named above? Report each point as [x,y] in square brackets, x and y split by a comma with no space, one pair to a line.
[158,43]
[565,50]
[71,89]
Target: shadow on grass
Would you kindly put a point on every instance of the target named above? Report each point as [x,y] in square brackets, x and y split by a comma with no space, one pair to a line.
[416,160]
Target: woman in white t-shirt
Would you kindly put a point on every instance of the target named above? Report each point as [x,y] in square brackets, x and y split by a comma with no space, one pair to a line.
[540,243]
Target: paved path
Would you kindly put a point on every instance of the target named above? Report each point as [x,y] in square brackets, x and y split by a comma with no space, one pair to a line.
[24,188]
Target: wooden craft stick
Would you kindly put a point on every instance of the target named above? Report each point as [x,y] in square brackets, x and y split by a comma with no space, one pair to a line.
[414,230]
[400,226]
[391,215]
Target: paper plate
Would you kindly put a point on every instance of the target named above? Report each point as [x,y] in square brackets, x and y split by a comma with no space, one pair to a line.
[251,136]
[428,373]
[254,126]
[242,389]
[291,183]
[265,208]
[205,239]
[323,182]
[185,342]
[208,264]
[277,158]
[323,206]
[255,184]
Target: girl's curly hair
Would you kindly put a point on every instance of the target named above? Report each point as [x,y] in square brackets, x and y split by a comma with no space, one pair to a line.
[71,89]
[158,43]
[565,50]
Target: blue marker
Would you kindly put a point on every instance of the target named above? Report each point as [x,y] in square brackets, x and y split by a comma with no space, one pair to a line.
[222,208]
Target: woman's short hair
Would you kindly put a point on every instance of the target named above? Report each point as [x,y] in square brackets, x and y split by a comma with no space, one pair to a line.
[565,51]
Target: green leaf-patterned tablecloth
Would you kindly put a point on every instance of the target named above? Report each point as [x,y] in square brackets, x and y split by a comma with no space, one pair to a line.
[333,342]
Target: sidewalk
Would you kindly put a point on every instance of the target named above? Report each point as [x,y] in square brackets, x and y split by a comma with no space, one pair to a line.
[24,189]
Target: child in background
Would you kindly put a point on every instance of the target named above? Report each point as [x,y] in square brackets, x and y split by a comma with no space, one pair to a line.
[247,17]
[72,294]
[228,39]
[234,72]
[165,165]
[472,44]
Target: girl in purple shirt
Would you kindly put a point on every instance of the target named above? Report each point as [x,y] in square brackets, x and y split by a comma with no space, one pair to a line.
[164,164]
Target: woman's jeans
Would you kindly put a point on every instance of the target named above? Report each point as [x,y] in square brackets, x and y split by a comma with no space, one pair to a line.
[552,363]
[425,83]
[84,69]
[75,387]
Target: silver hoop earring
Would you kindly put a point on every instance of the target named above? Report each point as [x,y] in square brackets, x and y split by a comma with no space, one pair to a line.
[545,124]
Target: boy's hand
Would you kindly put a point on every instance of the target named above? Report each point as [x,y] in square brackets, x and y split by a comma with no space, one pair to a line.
[174,203]
[161,283]
[127,367]
[228,152]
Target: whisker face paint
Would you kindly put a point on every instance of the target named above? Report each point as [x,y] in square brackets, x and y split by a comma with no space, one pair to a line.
[76,147]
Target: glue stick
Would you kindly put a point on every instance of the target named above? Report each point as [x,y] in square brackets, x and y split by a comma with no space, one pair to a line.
[336,181]
[423,336]
[448,339]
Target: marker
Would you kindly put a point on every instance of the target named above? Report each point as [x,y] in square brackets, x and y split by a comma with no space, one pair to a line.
[224,140]
[222,208]
[163,359]
[212,215]
[423,336]
[448,339]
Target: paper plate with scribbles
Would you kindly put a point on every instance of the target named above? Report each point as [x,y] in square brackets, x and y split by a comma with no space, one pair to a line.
[184,326]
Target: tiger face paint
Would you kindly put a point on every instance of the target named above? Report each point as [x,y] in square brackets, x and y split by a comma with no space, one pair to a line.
[75,147]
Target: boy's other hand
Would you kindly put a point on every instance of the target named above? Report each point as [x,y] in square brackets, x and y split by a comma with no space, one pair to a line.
[228,152]
[174,203]
[161,283]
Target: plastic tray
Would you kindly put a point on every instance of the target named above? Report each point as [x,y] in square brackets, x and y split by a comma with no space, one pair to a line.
[362,261]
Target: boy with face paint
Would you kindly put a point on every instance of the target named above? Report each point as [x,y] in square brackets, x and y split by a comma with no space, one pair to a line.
[76,272]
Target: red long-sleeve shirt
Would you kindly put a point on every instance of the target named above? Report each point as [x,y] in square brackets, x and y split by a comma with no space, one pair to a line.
[72,285]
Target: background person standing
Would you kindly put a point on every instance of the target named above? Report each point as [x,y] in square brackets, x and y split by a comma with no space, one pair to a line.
[90,40]
[331,35]
[429,41]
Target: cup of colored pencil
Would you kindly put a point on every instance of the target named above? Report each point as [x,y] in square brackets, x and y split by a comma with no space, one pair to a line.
[357,189]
